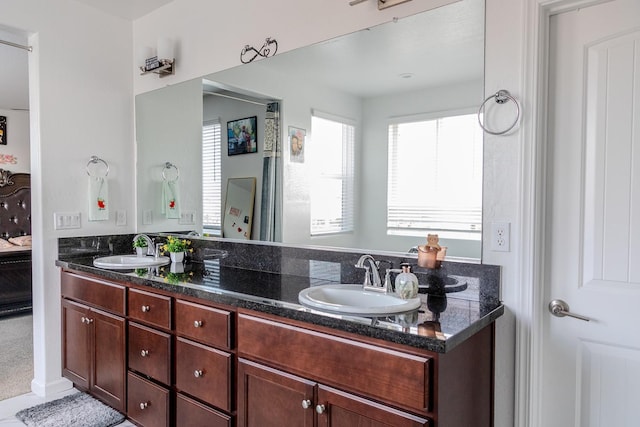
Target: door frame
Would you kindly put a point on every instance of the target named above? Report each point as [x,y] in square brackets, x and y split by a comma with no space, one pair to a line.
[530,325]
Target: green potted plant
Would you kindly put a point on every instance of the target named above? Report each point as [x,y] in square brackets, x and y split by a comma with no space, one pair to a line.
[140,245]
[176,248]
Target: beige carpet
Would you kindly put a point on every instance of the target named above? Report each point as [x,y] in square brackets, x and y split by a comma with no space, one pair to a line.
[16,355]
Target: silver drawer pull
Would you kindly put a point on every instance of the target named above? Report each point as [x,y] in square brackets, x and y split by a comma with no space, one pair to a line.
[144,353]
[320,409]
[143,405]
[197,324]
[306,404]
[198,373]
[145,308]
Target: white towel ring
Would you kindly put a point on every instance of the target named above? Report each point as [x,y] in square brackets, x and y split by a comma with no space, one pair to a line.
[501,97]
[169,166]
[95,159]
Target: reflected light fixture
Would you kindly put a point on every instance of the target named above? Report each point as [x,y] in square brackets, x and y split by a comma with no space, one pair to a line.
[161,61]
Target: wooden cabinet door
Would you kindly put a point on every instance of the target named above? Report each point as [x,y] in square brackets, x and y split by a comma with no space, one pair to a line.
[340,409]
[271,398]
[109,364]
[76,355]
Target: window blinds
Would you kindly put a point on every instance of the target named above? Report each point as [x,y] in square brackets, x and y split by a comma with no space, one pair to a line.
[435,176]
[211,177]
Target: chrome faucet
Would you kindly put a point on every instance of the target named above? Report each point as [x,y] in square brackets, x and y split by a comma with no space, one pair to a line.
[150,247]
[371,274]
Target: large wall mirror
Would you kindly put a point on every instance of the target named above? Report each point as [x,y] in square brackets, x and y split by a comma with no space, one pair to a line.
[350,115]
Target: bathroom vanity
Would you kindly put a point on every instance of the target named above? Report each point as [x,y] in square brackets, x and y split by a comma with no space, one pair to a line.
[222,344]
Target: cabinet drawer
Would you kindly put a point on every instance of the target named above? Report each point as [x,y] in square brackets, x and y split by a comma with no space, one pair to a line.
[148,403]
[190,413]
[384,374]
[204,372]
[96,293]
[150,308]
[150,352]
[204,324]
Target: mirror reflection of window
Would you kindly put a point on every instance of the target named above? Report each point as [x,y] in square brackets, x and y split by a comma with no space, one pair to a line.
[435,177]
[331,159]
[211,178]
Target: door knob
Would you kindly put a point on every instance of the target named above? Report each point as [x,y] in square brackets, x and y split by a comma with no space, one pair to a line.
[559,308]
[306,403]
[144,353]
[320,409]
[145,308]
[197,324]
[198,373]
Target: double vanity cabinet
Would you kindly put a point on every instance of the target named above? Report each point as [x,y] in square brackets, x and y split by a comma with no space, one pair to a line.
[188,355]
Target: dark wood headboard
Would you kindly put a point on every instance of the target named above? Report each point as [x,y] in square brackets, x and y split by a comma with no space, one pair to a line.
[15,204]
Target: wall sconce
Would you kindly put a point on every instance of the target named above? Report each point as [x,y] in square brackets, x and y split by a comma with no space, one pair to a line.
[161,62]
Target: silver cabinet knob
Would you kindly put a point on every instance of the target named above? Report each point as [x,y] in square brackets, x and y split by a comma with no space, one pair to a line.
[320,409]
[306,403]
[143,405]
[144,353]
[89,320]
[83,319]
[559,308]
[197,324]
[145,308]
[198,373]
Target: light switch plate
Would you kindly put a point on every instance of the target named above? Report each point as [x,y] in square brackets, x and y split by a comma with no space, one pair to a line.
[187,218]
[66,220]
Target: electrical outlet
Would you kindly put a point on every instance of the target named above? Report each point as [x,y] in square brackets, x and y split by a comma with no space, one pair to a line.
[501,236]
[147,217]
[121,218]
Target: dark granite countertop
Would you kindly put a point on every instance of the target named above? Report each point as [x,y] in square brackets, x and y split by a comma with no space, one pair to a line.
[443,321]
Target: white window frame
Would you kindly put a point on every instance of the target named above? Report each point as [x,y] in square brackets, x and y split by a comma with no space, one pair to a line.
[456,219]
[345,223]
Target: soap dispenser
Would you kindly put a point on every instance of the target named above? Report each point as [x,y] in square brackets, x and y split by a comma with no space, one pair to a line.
[406,283]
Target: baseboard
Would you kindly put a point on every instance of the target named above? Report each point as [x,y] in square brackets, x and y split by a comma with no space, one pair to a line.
[44,390]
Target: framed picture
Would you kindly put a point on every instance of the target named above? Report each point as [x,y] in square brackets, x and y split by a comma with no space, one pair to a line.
[3,130]
[296,144]
[242,136]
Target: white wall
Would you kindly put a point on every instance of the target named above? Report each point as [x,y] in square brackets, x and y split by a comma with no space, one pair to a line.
[80,85]
[169,130]
[16,155]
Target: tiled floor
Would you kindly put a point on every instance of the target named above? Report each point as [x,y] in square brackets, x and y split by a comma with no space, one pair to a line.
[9,407]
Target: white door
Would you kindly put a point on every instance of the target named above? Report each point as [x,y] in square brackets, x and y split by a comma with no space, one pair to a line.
[591,369]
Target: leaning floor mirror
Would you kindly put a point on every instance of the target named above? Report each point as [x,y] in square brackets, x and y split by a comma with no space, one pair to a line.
[238,211]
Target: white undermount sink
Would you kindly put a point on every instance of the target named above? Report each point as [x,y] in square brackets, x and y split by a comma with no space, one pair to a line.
[353,299]
[127,262]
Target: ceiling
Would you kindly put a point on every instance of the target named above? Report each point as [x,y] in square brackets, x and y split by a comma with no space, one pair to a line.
[128,9]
